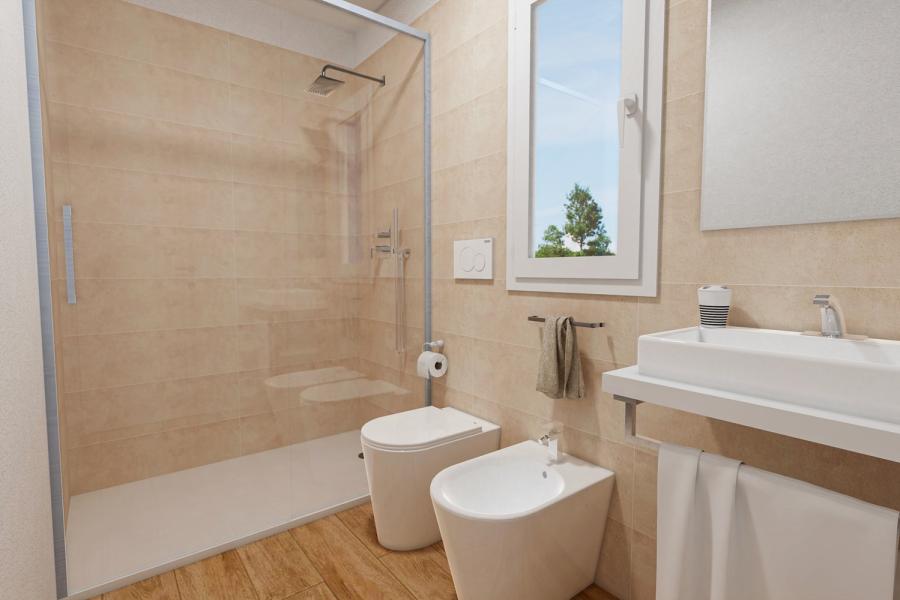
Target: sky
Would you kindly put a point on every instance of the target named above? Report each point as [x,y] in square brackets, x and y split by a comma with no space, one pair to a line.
[576,48]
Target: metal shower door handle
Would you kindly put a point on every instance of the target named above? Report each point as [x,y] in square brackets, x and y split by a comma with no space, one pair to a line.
[628,107]
[70,253]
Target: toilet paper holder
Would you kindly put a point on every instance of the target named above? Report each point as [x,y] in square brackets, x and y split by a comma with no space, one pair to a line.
[434,346]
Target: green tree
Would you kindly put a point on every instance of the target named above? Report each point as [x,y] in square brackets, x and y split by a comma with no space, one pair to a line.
[553,244]
[584,218]
[584,226]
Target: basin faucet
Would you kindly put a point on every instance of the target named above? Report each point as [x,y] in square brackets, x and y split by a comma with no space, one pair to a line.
[832,315]
[551,440]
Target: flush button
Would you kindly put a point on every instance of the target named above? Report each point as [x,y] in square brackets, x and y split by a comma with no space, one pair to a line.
[473,259]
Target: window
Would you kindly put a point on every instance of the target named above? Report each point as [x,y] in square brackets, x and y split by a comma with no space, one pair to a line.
[585,104]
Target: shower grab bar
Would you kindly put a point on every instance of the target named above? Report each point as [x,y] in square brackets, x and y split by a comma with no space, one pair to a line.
[631,434]
[70,255]
[537,319]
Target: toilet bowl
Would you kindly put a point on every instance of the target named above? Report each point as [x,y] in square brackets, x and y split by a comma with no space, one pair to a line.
[403,452]
[518,525]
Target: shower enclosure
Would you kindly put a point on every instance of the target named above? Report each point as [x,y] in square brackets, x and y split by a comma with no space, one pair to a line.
[236,197]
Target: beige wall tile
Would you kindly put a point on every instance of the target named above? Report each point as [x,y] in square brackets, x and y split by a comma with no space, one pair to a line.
[397,159]
[470,190]
[474,68]
[643,572]
[615,566]
[130,358]
[115,140]
[474,130]
[109,414]
[682,144]
[102,195]
[284,344]
[645,492]
[255,65]
[256,113]
[397,109]
[102,465]
[686,48]
[105,82]
[128,305]
[258,161]
[451,24]
[132,251]
[129,31]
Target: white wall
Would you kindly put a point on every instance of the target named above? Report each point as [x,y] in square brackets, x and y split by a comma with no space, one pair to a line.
[26,551]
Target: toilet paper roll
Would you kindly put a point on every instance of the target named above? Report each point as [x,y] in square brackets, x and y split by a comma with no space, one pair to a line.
[431,364]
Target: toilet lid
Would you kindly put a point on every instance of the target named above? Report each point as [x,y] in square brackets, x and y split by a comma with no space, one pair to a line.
[419,428]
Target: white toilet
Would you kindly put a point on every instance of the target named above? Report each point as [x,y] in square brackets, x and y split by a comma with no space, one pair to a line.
[403,452]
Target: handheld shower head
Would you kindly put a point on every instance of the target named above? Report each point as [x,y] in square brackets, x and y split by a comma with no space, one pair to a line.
[325,85]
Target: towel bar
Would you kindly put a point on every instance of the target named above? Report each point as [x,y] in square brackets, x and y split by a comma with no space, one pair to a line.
[538,319]
[631,424]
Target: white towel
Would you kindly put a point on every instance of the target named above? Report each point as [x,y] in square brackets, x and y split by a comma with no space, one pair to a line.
[696,510]
[731,532]
[797,541]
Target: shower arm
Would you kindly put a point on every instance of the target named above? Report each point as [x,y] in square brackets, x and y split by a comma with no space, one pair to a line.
[379,80]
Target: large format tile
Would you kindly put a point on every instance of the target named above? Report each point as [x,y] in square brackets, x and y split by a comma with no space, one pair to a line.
[126,30]
[100,81]
[686,49]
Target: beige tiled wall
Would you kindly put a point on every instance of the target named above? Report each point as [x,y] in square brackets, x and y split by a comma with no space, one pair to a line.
[774,272]
[219,240]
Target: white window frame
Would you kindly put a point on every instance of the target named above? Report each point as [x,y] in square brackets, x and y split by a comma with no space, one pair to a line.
[633,270]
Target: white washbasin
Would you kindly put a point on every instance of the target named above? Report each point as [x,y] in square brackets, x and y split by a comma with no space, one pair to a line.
[860,378]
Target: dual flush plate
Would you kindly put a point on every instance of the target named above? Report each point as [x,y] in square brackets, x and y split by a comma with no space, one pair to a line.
[473,259]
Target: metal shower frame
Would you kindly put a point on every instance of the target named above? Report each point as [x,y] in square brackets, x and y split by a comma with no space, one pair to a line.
[44,276]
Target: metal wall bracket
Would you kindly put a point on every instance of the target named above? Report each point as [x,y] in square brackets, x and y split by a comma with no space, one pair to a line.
[631,434]
[435,346]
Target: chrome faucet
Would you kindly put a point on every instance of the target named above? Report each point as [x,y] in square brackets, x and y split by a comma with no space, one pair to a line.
[832,316]
[551,440]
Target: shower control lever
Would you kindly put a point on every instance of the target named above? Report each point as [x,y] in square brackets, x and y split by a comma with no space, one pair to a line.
[383,235]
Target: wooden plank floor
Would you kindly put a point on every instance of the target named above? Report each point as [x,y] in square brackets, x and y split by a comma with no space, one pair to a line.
[335,558]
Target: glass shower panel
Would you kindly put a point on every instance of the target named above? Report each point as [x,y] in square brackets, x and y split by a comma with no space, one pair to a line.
[377,189]
[246,297]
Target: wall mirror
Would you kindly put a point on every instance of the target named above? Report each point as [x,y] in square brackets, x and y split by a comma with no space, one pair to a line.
[802,122]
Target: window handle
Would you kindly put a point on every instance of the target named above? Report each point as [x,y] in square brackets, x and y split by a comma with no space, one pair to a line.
[628,107]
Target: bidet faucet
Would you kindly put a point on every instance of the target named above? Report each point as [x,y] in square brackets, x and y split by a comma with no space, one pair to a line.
[551,440]
[832,316]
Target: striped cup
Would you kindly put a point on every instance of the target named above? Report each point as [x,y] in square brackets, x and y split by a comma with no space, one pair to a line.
[715,300]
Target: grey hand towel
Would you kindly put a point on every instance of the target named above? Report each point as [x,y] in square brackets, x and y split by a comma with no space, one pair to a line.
[559,371]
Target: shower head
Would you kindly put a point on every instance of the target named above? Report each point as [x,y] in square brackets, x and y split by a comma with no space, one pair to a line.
[325,85]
